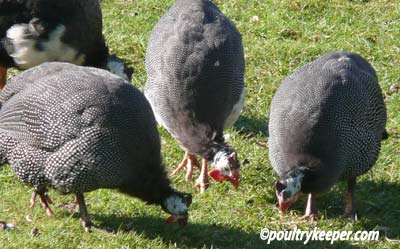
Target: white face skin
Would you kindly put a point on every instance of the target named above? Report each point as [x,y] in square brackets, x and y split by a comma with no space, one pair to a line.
[221,162]
[293,186]
[221,159]
[117,67]
[176,206]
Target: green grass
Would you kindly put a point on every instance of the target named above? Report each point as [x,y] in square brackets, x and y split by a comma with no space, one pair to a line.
[283,39]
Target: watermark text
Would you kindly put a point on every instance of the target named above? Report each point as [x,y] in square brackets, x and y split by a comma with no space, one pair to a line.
[317,235]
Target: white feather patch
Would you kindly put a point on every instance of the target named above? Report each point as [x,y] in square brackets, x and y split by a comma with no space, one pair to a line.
[221,163]
[26,55]
[221,160]
[117,68]
[158,118]
[236,110]
[176,206]
[293,184]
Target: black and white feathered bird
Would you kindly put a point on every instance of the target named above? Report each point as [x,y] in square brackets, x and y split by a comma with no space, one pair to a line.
[37,31]
[327,121]
[195,70]
[78,129]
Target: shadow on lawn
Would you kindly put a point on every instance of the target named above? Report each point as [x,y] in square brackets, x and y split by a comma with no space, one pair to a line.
[196,235]
[251,126]
[380,204]
[377,206]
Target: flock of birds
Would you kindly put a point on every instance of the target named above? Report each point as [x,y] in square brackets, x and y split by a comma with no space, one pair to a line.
[73,122]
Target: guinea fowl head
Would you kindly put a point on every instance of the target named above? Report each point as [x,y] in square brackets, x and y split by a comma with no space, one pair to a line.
[117,66]
[177,204]
[227,166]
[288,188]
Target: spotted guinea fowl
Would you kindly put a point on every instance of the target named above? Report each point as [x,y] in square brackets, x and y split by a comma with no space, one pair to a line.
[326,124]
[78,129]
[195,70]
[36,31]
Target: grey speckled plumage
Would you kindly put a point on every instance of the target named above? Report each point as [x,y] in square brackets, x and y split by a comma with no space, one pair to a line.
[327,119]
[78,129]
[195,67]
[195,70]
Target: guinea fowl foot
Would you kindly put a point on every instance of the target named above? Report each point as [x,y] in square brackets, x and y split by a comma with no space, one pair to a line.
[310,217]
[85,218]
[188,161]
[3,77]
[86,224]
[311,212]
[202,182]
[44,201]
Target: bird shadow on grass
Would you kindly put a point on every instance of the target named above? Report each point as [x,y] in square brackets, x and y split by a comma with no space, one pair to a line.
[377,206]
[195,235]
[251,126]
[380,204]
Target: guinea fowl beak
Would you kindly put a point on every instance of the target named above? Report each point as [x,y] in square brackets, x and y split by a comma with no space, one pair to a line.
[284,205]
[217,175]
[234,179]
[179,220]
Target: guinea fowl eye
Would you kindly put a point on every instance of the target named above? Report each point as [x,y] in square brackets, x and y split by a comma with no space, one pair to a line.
[280,185]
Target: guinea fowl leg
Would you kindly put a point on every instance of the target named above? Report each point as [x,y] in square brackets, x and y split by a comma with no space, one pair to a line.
[44,201]
[202,182]
[3,77]
[32,201]
[188,161]
[311,211]
[85,218]
[349,211]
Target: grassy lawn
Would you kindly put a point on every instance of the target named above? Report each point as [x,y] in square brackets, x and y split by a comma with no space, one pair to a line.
[278,36]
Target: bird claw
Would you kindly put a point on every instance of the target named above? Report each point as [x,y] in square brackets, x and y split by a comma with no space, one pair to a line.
[189,174]
[87,224]
[350,215]
[311,217]
[188,162]
[49,212]
[48,199]
[32,201]
[202,185]
[180,167]
[45,200]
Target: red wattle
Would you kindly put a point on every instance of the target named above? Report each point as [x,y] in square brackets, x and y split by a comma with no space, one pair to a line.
[216,175]
[171,219]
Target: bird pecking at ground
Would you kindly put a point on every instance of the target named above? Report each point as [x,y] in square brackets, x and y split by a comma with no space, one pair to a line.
[327,121]
[195,85]
[77,129]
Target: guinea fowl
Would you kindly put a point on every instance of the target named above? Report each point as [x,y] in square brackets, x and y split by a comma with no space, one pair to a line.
[37,31]
[195,70]
[78,129]
[326,124]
